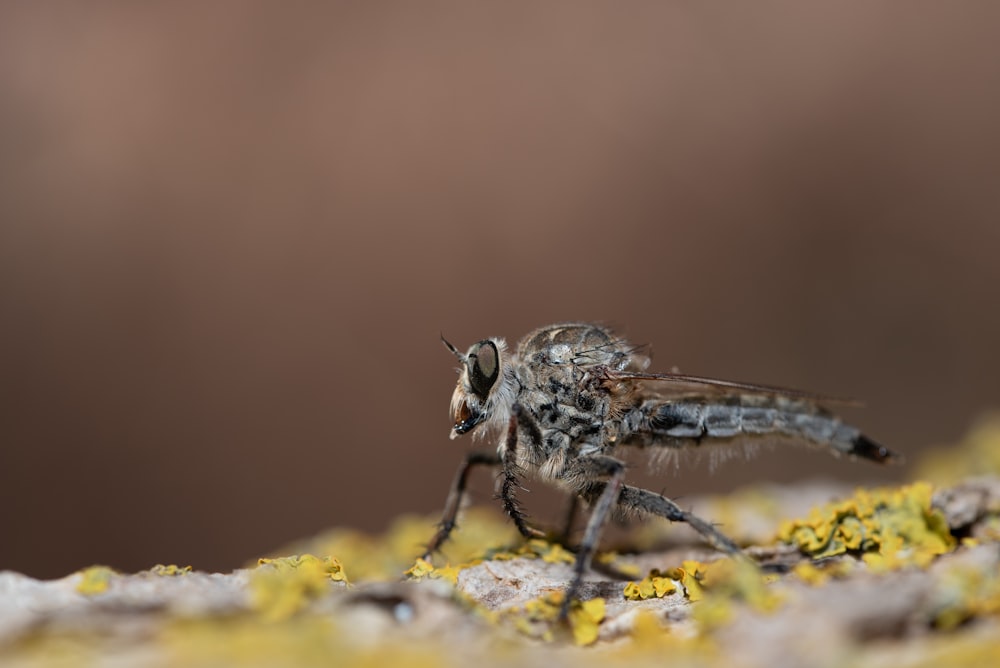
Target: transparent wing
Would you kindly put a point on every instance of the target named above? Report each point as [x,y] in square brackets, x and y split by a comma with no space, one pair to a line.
[681,385]
[680,408]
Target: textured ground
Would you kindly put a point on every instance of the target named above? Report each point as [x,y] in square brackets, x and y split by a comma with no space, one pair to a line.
[907,576]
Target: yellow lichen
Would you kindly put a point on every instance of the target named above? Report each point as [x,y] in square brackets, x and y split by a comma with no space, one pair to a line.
[807,572]
[304,641]
[424,569]
[647,629]
[450,573]
[550,553]
[715,585]
[385,556]
[989,528]
[95,580]
[688,575]
[281,587]
[651,641]
[966,593]
[308,641]
[536,548]
[329,567]
[820,573]
[610,558]
[890,528]
[584,620]
[719,584]
[420,569]
[169,570]
[654,585]
[738,578]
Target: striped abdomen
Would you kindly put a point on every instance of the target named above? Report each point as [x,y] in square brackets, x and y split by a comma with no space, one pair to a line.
[692,421]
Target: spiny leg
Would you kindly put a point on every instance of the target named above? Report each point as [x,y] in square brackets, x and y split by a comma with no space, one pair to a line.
[595,466]
[454,502]
[510,481]
[645,501]
[651,502]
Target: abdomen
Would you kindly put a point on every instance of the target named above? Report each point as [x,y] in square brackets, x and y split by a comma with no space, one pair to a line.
[688,422]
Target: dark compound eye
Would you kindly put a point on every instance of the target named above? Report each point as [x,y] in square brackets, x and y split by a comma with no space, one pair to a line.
[484,366]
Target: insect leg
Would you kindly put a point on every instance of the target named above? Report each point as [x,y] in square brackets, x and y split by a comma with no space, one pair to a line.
[651,502]
[645,501]
[510,482]
[595,466]
[454,501]
[567,529]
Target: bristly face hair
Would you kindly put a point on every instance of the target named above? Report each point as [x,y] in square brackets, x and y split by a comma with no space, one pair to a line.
[485,387]
[572,394]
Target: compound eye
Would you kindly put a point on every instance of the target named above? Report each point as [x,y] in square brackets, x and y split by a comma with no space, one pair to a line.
[484,367]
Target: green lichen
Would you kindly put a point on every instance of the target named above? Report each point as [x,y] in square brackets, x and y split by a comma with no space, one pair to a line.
[888,528]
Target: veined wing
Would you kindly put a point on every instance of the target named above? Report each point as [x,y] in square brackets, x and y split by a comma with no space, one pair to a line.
[669,385]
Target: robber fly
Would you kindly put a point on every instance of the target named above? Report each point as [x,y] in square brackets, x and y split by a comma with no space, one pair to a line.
[574,395]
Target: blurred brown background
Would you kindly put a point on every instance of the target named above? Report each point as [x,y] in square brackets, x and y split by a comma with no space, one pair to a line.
[231,233]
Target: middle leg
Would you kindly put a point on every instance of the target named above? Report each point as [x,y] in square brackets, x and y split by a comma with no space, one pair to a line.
[594,466]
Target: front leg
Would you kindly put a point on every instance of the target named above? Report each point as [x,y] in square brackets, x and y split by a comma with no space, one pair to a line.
[510,483]
[454,502]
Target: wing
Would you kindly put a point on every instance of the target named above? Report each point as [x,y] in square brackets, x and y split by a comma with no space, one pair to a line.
[681,385]
[681,409]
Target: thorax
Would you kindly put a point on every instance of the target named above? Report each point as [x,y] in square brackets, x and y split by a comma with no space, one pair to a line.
[560,373]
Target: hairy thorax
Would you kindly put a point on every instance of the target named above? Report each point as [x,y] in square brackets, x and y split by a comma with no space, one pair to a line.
[572,405]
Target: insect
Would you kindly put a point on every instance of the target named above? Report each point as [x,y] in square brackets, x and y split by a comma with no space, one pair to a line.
[573,397]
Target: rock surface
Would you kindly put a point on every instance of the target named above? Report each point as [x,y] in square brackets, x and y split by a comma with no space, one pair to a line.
[920,585]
